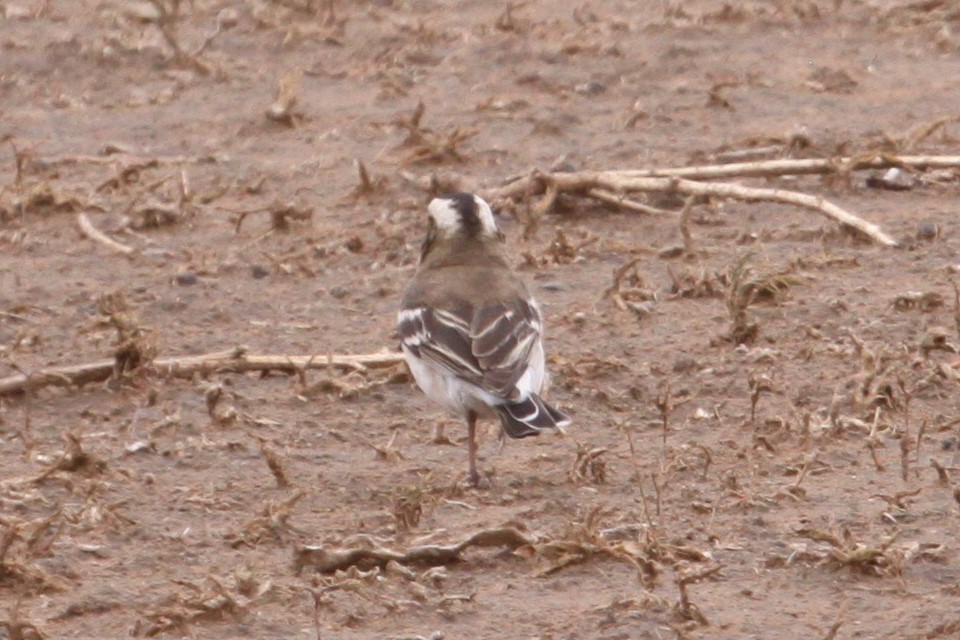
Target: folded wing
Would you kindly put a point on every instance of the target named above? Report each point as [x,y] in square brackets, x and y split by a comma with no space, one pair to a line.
[502,340]
[488,346]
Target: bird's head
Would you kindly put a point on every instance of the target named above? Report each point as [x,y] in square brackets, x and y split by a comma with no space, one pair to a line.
[462,216]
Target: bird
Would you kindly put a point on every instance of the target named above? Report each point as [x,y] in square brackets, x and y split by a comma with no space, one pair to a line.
[470,332]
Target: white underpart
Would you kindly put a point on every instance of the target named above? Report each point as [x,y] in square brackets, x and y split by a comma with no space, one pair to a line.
[456,394]
[447,219]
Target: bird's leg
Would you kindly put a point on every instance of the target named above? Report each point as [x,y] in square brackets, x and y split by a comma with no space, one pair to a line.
[472,447]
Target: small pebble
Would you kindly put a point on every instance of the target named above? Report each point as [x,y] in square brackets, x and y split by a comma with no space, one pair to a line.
[590,88]
[186,279]
[141,11]
[228,18]
[554,286]
[893,179]
[259,271]
[339,292]
[928,231]
[138,446]
[354,244]
[673,251]
[685,364]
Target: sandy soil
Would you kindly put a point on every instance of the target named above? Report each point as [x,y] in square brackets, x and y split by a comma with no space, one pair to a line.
[793,491]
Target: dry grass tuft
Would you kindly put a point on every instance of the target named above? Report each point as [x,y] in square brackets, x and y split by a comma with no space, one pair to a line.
[135,347]
[694,282]
[16,628]
[270,524]
[211,599]
[22,543]
[274,463]
[407,507]
[168,19]
[740,296]
[629,292]
[426,146]
[589,465]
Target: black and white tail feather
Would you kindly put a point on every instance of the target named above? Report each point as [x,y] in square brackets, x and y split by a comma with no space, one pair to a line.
[529,417]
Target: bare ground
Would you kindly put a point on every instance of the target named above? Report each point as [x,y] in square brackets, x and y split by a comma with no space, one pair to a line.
[783,488]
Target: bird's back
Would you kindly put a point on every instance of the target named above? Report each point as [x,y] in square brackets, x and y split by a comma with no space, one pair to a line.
[463,275]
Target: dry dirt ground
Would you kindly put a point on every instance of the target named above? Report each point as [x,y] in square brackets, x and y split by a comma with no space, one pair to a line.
[786,487]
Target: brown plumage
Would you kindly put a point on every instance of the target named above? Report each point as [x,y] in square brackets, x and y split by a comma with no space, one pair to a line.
[470,330]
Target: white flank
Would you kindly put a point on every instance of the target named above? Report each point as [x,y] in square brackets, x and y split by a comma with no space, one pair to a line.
[447,389]
[533,379]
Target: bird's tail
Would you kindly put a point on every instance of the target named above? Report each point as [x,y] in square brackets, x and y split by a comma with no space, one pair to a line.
[530,417]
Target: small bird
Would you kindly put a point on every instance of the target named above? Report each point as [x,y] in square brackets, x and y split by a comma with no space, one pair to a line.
[470,331]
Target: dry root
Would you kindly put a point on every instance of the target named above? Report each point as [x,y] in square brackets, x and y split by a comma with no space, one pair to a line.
[589,465]
[329,560]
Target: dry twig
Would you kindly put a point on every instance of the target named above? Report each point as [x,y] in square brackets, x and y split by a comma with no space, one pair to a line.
[235,360]
[685,181]
[956,306]
[168,21]
[625,203]
[281,110]
[789,166]
[274,462]
[87,228]
[619,184]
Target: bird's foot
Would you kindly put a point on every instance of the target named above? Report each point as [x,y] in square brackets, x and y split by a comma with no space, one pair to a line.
[476,481]
[439,437]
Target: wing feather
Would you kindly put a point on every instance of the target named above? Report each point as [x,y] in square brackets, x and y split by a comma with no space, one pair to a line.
[489,346]
[503,337]
[442,338]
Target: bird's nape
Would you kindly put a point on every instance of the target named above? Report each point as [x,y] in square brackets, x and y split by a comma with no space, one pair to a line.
[462,214]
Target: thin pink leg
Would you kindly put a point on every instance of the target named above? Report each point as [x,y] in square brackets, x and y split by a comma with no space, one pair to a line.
[472,447]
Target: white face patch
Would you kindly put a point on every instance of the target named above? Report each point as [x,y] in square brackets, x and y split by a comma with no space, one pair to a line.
[444,215]
[485,213]
[459,212]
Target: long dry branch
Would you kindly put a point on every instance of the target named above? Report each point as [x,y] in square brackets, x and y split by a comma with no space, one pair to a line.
[522,185]
[234,361]
[733,191]
[587,182]
[329,560]
[788,166]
